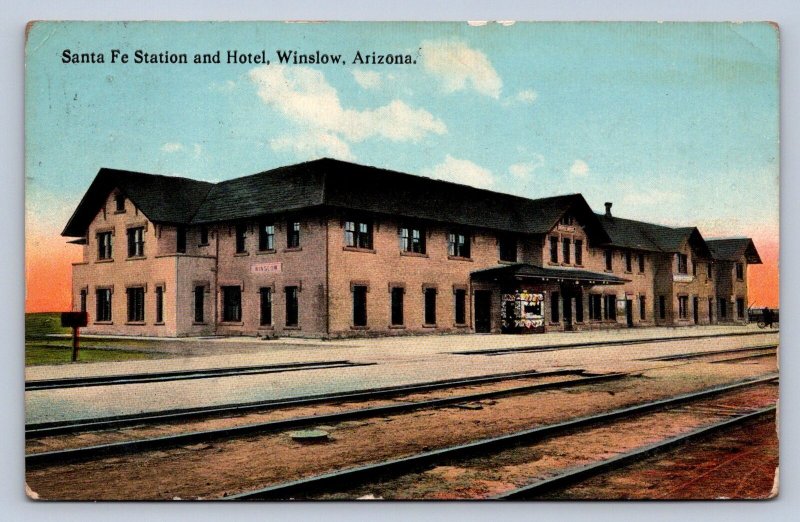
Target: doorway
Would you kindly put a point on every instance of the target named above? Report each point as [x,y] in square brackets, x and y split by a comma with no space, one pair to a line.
[629,312]
[483,311]
[696,305]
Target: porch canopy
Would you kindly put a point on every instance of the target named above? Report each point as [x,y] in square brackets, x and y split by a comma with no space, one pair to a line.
[527,272]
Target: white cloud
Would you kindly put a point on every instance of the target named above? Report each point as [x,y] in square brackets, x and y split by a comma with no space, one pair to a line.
[172,147]
[523,170]
[460,67]
[304,97]
[579,168]
[313,145]
[461,171]
[527,96]
[651,197]
[367,79]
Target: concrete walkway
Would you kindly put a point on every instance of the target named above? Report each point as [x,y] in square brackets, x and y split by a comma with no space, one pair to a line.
[396,361]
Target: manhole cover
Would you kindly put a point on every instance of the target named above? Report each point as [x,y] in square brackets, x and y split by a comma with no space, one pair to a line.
[309,435]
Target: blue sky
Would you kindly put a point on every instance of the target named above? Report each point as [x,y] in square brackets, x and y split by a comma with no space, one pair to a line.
[674,123]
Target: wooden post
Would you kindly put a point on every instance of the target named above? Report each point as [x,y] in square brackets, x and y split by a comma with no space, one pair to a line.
[75,343]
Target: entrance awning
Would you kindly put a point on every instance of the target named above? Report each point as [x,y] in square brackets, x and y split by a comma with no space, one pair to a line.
[527,272]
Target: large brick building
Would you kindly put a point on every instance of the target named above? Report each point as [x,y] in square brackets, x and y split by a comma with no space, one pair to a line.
[328,248]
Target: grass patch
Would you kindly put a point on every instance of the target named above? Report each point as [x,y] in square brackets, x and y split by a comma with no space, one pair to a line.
[59,353]
[41,324]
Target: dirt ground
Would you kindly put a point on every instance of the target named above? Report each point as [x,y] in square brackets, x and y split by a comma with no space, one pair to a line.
[215,470]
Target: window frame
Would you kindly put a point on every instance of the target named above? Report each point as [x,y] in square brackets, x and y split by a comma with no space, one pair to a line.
[231,308]
[458,245]
[411,244]
[429,306]
[105,249]
[507,244]
[642,308]
[739,268]
[203,236]
[641,262]
[135,248]
[397,306]
[292,298]
[266,236]
[103,314]
[240,236]
[460,306]
[628,261]
[199,304]
[292,234]
[135,304]
[554,249]
[359,296]
[683,307]
[683,263]
[119,203]
[358,234]
[566,250]
[159,295]
[610,311]
[180,239]
[609,259]
[578,252]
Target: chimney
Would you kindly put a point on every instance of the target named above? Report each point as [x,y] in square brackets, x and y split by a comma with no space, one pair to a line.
[608,208]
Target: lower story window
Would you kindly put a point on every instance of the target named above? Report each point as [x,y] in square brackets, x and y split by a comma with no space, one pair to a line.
[595,309]
[292,306]
[83,301]
[461,306]
[683,306]
[266,306]
[397,305]
[135,304]
[710,308]
[159,304]
[723,308]
[430,306]
[199,304]
[611,307]
[231,303]
[359,305]
[103,298]
[740,308]
[579,308]
[642,308]
[662,307]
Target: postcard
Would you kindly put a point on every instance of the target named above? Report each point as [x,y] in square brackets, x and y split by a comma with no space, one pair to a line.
[401,261]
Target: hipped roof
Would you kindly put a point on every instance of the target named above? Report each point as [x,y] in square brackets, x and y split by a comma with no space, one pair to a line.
[732,249]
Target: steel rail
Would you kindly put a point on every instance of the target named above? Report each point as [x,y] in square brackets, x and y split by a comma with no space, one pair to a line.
[43,429]
[697,355]
[571,346]
[578,474]
[347,478]
[206,373]
[746,357]
[129,447]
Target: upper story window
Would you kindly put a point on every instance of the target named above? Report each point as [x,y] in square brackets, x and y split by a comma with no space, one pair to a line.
[553,249]
[566,244]
[458,244]
[609,259]
[293,234]
[136,242]
[358,234]
[203,235]
[579,252]
[739,271]
[241,235]
[641,263]
[709,271]
[180,240]
[266,236]
[683,263]
[412,240]
[119,202]
[628,261]
[694,266]
[566,220]
[104,245]
[508,249]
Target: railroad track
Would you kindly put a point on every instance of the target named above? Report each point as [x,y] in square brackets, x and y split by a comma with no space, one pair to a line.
[709,353]
[41,459]
[572,346]
[347,479]
[37,430]
[206,373]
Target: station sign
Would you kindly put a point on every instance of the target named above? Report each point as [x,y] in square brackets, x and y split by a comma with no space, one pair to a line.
[266,268]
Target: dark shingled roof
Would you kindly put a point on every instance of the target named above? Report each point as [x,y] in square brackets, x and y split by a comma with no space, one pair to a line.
[732,249]
[527,271]
[163,199]
[638,235]
[332,183]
